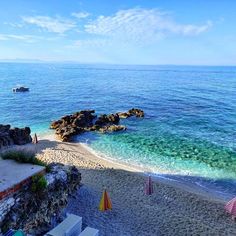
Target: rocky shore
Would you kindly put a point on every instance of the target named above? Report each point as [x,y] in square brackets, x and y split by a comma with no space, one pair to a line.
[36,209]
[86,120]
[10,136]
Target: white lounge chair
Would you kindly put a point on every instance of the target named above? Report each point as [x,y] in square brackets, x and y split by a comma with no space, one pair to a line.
[71,226]
[89,232]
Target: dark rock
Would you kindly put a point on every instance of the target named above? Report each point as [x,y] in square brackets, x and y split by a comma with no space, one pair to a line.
[136,112]
[20,89]
[17,136]
[112,128]
[114,119]
[4,128]
[82,121]
[123,115]
[74,124]
[107,119]
[132,112]
[55,124]
[20,136]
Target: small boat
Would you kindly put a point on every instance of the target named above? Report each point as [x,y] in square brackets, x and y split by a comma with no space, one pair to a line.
[20,89]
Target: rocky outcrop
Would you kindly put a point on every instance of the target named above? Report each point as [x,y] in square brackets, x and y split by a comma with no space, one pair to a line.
[132,112]
[79,122]
[21,136]
[18,136]
[78,119]
[35,212]
[74,124]
[104,120]
[111,128]
[20,90]
[5,139]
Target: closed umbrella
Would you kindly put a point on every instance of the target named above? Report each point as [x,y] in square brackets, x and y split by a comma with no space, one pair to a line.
[149,186]
[35,139]
[230,207]
[105,203]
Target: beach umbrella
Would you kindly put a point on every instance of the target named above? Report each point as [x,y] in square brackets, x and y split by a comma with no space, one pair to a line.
[105,203]
[149,186]
[230,207]
[35,139]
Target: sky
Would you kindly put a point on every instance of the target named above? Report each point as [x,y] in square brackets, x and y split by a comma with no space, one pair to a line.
[179,32]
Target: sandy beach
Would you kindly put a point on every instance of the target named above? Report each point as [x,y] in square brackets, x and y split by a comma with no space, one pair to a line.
[173,209]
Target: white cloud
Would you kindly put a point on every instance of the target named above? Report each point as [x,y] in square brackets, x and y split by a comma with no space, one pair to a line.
[15,25]
[92,43]
[80,15]
[24,37]
[55,25]
[191,29]
[142,25]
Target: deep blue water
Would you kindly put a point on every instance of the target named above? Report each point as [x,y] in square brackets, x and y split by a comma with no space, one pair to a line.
[190,123]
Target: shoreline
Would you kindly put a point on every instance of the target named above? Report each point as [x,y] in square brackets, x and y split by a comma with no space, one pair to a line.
[173,209]
[188,186]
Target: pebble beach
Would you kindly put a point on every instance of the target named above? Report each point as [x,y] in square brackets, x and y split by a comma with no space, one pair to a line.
[171,210]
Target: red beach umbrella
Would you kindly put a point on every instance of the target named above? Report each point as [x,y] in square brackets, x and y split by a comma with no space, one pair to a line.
[149,186]
[230,207]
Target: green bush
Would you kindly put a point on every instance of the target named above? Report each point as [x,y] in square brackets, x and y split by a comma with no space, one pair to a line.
[23,157]
[39,183]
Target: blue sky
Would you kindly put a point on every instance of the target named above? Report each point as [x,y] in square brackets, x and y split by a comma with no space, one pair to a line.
[195,32]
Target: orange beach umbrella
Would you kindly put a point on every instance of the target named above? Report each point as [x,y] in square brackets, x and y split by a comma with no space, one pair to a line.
[105,203]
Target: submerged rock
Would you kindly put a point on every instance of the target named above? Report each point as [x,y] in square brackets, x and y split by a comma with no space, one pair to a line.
[123,115]
[112,128]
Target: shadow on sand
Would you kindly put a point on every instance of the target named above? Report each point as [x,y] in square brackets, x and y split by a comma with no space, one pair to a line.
[169,211]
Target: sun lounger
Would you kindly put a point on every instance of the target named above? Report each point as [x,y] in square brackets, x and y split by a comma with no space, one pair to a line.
[71,226]
[19,233]
[89,232]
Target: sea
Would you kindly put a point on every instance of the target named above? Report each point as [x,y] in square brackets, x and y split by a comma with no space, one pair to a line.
[188,132]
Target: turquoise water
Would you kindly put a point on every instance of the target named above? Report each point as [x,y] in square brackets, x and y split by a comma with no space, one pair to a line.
[190,125]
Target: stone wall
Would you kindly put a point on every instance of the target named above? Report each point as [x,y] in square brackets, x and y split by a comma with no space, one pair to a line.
[11,196]
[6,205]
[33,212]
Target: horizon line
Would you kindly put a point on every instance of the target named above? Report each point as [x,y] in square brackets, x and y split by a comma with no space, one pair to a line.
[35,61]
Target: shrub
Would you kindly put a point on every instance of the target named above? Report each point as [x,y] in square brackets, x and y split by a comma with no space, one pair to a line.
[39,183]
[23,157]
